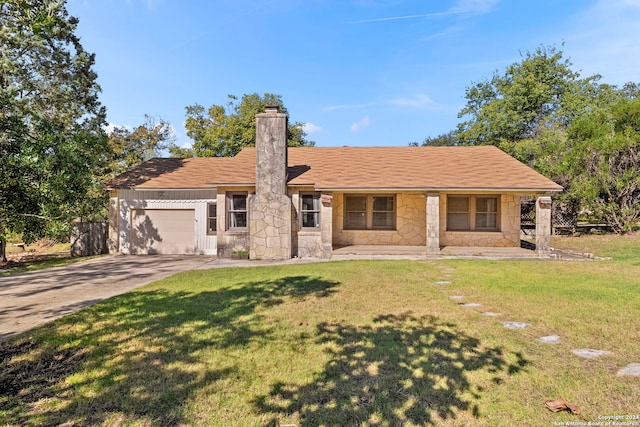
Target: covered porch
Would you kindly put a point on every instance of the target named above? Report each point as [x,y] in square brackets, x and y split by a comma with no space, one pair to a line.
[418,227]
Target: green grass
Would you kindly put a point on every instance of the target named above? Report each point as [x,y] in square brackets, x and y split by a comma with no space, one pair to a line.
[339,343]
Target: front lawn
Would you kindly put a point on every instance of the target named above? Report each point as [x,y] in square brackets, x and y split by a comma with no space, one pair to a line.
[339,343]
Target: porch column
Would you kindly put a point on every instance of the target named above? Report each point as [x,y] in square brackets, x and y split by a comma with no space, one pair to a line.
[326,224]
[543,225]
[433,223]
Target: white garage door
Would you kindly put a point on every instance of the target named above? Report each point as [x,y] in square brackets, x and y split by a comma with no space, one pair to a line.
[162,231]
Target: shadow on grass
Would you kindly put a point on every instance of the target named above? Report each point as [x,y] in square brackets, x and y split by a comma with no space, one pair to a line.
[135,358]
[400,369]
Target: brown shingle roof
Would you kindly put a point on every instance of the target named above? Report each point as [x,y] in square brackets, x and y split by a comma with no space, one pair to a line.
[353,168]
[186,173]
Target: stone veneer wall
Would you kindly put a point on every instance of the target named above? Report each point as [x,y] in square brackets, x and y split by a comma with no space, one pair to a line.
[270,225]
[410,224]
[313,243]
[229,241]
[508,236]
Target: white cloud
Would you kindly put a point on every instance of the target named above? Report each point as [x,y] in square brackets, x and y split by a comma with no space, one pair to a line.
[110,127]
[310,128]
[474,7]
[361,124]
[350,106]
[417,102]
[462,7]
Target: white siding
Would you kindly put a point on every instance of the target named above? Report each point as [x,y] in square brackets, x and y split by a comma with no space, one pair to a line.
[170,199]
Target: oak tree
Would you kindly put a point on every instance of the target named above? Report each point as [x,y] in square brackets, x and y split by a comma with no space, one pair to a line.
[52,146]
[224,130]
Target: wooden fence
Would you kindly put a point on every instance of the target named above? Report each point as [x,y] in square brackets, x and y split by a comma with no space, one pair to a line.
[89,238]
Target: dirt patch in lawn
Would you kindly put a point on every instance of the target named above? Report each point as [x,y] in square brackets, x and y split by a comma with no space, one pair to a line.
[20,255]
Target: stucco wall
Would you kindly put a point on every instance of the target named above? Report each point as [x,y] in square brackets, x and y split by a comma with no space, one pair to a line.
[508,236]
[410,224]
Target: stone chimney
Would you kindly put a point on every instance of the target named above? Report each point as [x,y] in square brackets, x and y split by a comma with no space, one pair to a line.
[271,152]
[270,208]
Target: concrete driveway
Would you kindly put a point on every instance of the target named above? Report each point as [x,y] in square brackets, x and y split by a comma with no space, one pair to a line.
[31,299]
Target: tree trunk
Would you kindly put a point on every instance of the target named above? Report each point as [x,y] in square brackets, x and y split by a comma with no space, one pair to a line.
[3,250]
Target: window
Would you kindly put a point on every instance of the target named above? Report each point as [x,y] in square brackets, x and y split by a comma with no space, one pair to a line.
[383,212]
[212,218]
[458,213]
[369,212]
[355,217]
[237,211]
[310,210]
[475,213]
[486,213]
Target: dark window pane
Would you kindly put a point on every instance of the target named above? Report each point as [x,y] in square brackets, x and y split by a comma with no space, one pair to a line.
[213,210]
[458,221]
[356,203]
[310,219]
[238,220]
[486,204]
[383,203]
[486,220]
[310,202]
[383,219]
[238,202]
[356,220]
[212,224]
[458,204]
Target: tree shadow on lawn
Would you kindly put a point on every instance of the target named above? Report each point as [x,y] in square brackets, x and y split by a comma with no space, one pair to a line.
[401,369]
[136,357]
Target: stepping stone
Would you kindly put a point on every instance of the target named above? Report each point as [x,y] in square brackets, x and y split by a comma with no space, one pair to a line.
[491,314]
[442,282]
[550,339]
[516,325]
[589,353]
[471,304]
[456,296]
[632,369]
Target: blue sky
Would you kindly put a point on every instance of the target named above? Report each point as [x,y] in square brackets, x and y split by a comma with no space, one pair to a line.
[357,72]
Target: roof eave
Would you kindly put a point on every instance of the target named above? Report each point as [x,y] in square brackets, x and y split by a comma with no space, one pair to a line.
[442,189]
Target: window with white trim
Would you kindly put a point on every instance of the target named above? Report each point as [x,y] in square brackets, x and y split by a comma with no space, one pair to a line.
[473,213]
[237,213]
[370,212]
[212,218]
[310,210]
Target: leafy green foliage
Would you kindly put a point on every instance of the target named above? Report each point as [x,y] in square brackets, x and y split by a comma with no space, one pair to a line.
[132,147]
[222,131]
[606,163]
[578,132]
[541,92]
[445,139]
[52,146]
